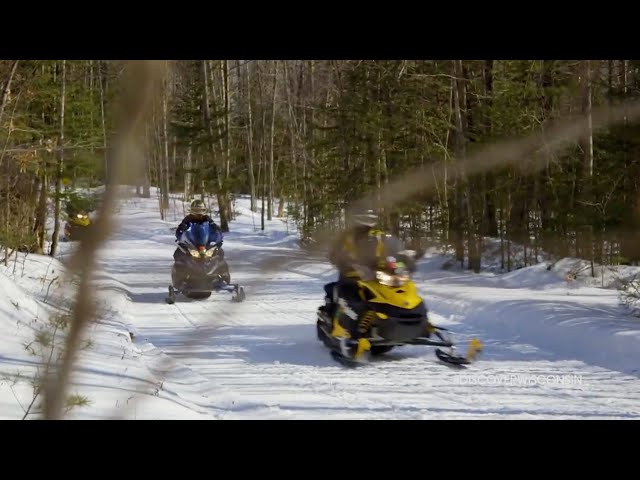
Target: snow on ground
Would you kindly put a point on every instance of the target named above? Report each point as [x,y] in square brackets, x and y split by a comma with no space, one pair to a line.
[552,349]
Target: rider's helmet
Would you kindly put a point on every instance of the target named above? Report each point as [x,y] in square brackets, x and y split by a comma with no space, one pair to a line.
[198,209]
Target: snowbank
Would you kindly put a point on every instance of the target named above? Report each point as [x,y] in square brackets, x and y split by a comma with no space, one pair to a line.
[547,305]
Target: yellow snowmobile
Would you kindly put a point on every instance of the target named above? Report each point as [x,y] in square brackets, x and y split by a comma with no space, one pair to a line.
[77,226]
[394,315]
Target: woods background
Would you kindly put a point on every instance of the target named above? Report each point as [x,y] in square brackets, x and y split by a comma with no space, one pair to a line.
[317,135]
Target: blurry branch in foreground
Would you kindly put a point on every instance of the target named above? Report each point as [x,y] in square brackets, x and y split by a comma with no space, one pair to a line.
[140,83]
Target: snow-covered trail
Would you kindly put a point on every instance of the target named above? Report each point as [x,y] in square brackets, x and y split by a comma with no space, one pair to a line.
[261,359]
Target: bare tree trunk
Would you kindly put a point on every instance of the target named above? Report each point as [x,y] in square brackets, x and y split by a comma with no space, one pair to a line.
[295,135]
[7,198]
[174,160]
[447,227]
[91,91]
[625,84]
[264,193]
[587,107]
[281,205]
[508,224]
[41,212]
[490,226]
[303,132]
[261,163]
[264,189]
[309,126]
[292,124]
[60,169]
[610,82]
[102,81]
[224,223]
[7,221]
[227,118]
[202,184]
[6,91]
[148,160]
[227,138]
[252,181]
[158,160]
[221,194]
[501,228]
[271,143]
[459,98]
[547,223]
[588,159]
[165,151]
[146,187]
[187,174]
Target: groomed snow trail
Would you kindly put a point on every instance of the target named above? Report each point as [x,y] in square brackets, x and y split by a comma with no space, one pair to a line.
[261,359]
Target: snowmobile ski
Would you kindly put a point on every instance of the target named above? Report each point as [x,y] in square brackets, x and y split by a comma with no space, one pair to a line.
[236,290]
[450,359]
[475,347]
[346,361]
[238,294]
[171,298]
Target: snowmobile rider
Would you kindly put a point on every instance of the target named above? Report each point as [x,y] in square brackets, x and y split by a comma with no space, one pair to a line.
[361,245]
[197,214]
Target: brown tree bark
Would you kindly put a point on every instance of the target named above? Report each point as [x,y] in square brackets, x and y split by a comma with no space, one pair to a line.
[60,166]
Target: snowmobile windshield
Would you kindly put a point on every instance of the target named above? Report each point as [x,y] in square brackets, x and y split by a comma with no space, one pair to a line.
[198,234]
[202,235]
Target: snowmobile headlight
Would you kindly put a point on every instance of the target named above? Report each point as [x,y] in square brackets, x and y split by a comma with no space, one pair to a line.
[80,219]
[211,252]
[194,252]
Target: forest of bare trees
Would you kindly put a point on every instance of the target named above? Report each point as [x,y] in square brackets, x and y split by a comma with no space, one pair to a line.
[318,135]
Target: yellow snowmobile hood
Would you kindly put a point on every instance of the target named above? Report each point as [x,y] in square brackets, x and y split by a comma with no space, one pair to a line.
[80,219]
[404,296]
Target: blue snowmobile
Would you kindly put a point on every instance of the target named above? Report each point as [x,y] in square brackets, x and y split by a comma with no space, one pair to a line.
[199,267]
